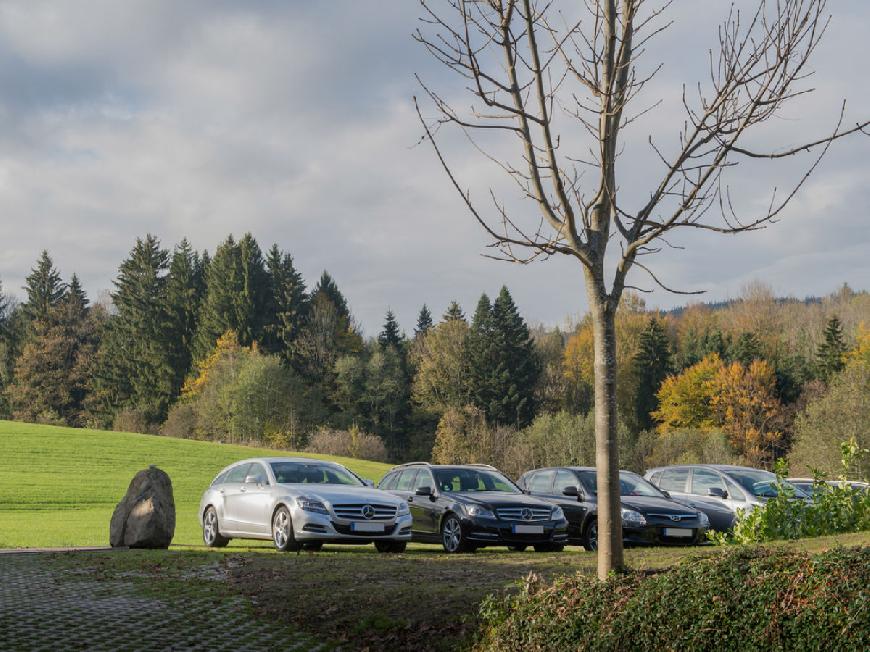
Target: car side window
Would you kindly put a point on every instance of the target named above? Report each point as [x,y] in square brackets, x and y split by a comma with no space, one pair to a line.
[674,480]
[237,474]
[735,492]
[259,473]
[655,477]
[542,482]
[423,479]
[564,479]
[703,480]
[406,481]
[389,482]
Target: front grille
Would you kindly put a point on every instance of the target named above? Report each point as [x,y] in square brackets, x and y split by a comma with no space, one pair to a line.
[522,514]
[354,511]
[673,518]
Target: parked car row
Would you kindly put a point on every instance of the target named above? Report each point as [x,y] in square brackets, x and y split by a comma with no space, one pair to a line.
[301,503]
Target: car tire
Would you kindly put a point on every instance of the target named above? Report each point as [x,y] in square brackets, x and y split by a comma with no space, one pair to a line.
[549,547]
[391,546]
[452,538]
[282,531]
[590,536]
[517,548]
[211,534]
[315,546]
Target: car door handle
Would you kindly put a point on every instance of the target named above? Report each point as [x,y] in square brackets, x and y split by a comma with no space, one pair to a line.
[243,490]
[410,499]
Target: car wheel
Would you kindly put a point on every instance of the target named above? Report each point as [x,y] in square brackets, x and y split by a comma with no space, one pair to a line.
[590,536]
[451,536]
[313,547]
[549,547]
[282,531]
[519,548]
[211,532]
[391,546]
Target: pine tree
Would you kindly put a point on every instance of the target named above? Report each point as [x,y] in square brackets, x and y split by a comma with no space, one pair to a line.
[746,349]
[327,287]
[831,352]
[135,369]
[453,312]
[517,365]
[652,364]
[76,292]
[481,356]
[44,288]
[238,295]
[391,335]
[288,308]
[184,290]
[424,322]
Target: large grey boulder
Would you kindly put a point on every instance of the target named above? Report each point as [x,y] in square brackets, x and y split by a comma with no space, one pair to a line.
[145,518]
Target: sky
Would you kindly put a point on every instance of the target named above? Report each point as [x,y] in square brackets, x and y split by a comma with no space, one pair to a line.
[294,120]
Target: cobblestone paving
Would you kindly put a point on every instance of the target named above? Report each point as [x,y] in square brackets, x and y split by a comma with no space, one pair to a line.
[47,607]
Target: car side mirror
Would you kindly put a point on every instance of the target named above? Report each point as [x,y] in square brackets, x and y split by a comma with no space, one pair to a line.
[367,482]
[717,492]
[424,491]
[252,479]
[666,494]
[571,490]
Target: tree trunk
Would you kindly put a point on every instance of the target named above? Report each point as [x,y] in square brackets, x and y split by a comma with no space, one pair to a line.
[606,451]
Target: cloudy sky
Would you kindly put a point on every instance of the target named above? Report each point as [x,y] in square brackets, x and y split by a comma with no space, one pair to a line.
[294,120]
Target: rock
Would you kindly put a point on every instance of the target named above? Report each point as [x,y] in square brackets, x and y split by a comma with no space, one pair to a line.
[145,517]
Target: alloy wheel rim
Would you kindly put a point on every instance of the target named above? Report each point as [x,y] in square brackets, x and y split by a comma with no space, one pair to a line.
[210,527]
[593,536]
[280,528]
[452,534]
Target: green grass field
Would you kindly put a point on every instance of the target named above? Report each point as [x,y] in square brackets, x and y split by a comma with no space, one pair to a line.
[59,486]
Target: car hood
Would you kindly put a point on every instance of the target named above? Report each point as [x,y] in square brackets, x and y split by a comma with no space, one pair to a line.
[497,499]
[654,505]
[332,493]
[706,505]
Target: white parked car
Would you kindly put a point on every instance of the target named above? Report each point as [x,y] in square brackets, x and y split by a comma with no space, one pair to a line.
[301,503]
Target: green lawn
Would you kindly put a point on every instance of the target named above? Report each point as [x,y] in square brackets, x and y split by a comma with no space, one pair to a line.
[58,486]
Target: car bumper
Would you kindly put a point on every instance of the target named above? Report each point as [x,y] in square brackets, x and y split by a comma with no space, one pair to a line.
[656,535]
[310,526]
[486,531]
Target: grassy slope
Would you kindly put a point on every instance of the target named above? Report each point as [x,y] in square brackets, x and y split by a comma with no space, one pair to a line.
[58,486]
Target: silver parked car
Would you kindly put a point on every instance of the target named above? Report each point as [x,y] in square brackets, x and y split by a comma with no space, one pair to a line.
[301,503]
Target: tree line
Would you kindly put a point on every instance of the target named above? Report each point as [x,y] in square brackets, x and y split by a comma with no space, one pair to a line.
[235,346]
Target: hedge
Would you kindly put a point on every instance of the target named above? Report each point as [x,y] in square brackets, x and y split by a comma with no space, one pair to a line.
[746,599]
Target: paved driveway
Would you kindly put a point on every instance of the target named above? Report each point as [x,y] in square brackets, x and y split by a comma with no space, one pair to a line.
[66,602]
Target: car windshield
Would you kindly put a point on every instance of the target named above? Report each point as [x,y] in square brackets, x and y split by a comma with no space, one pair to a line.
[313,473]
[464,480]
[630,484]
[761,484]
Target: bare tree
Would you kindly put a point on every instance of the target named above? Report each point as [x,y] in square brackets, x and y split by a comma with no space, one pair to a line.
[544,81]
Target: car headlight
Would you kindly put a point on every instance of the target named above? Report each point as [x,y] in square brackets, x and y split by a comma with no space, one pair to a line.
[478,511]
[704,519]
[631,518]
[310,504]
[403,510]
[558,514]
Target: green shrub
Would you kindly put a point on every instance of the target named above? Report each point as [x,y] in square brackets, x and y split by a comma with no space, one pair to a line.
[746,599]
[833,509]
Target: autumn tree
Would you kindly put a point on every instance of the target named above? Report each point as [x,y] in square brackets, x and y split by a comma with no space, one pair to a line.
[559,86]
[442,380]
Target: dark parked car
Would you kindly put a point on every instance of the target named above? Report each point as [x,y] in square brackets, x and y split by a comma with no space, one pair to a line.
[649,517]
[717,487]
[465,507]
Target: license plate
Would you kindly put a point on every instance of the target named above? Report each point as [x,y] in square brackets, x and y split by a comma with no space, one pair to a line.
[528,529]
[678,532]
[367,527]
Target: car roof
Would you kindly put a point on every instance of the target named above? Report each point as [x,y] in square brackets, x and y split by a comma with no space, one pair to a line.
[718,467]
[270,460]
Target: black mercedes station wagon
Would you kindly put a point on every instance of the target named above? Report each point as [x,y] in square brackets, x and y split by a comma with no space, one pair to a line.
[473,506]
[649,517]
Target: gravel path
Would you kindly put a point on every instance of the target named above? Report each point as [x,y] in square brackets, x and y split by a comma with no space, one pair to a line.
[46,605]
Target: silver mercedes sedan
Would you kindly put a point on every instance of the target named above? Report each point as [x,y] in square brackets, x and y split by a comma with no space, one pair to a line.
[301,503]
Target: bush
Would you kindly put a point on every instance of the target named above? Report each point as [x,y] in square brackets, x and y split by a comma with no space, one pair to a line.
[833,510]
[133,420]
[180,422]
[746,599]
[348,443]
[684,446]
